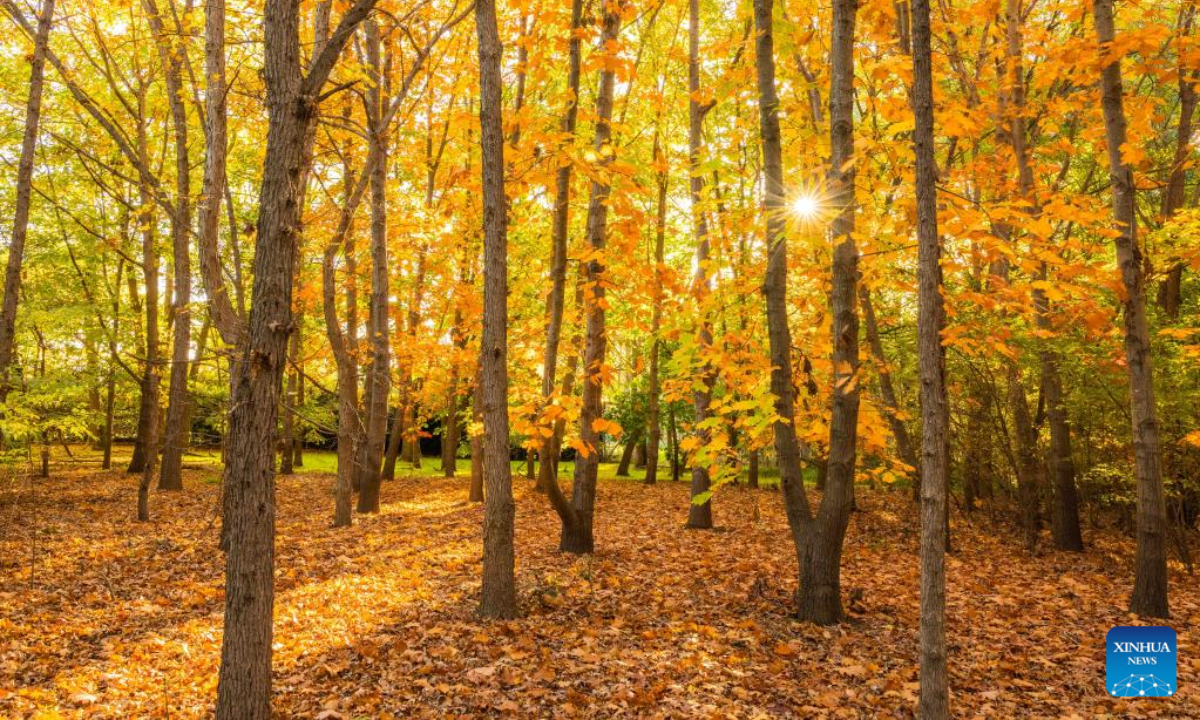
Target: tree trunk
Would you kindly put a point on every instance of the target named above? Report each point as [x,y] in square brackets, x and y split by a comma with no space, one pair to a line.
[498,597]
[551,446]
[820,577]
[148,422]
[626,456]
[699,513]
[1170,290]
[478,451]
[394,440]
[379,375]
[787,448]
[1150,584]
[177,433]
[450,434]
[577,534]
[654,393]
[288,439]
[244,683]
[934,702]
[20,227]
[887,390]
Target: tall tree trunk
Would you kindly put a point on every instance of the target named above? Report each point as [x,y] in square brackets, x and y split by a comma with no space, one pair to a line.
[171,54]
[20,227]
[653,391]
[558,266]
[887,389]
[244,682]
[148,420]
[779,336]
[577,534]
[379,375]
[344,345]
[934,702]
[1170,290]
[1150,584]
[699,513]
[820,580]
[288,440]
[498,597]
[478,451]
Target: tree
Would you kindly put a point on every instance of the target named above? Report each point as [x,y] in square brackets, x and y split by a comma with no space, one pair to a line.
[1150,582]
[244,684]
[934,702]
[576,516]
[499,595]
[700,510]
[24,183]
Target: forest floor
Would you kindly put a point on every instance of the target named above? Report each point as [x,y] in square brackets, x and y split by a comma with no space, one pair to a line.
[102,617]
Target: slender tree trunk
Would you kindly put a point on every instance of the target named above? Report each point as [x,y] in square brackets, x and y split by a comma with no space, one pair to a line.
[498,596]
[244,682]
[1150,584]
[286,456]
[20,227]
[787,448]
[887,390]
[478,451]
[379,375]
[820,577]
[699,513]
[148,423]
[298,397]
[577,534]
[558,267]
[171,54]
[934,703]
[1170,290]
[627,456]
[399,416]
[653,391]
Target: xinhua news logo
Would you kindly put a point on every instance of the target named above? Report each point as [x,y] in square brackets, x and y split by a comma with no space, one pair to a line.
[1141,662]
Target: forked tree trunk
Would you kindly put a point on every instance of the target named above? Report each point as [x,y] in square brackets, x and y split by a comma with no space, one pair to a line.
[498,598]
[551,446]
[177,433]
[699,513]
[820,576]
[20,226]
[577,534]
[934,700]
[1150,584]
[779,336]
[244,682]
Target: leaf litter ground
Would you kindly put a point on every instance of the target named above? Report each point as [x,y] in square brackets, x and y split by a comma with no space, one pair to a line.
[102,617]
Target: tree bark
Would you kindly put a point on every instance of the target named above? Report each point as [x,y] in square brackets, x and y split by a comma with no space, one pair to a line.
[1170,290]
[551,446]
[379,375]
[787,448]
[934,699]
[1150,583]
[699,513]
[498,598]
[20,226]
[244,682]
[577,534]
[177,434]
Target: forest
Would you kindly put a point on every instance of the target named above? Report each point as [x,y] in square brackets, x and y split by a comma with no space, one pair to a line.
[598,358]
